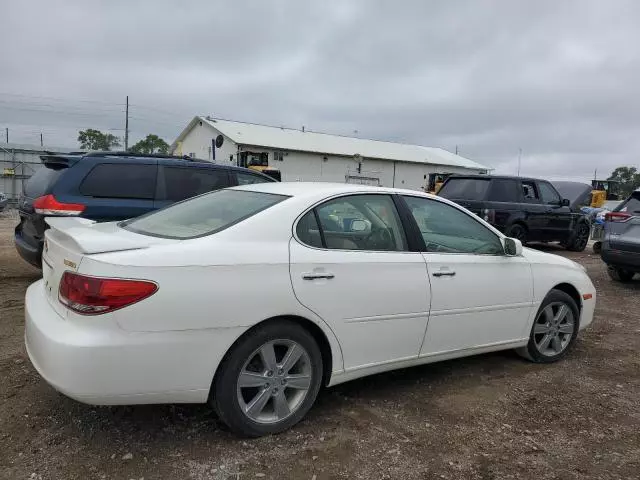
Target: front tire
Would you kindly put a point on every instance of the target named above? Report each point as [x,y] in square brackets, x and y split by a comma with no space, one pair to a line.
[269,380]
[620,274]
[554,330]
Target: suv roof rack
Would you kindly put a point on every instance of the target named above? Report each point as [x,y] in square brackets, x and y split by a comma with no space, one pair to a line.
[140,155]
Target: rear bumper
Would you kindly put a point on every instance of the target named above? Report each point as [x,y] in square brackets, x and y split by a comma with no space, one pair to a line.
[620,258]
[101,364]
[28,252]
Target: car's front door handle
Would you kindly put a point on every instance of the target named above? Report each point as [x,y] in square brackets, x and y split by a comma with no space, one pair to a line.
[316,276]
[446,273]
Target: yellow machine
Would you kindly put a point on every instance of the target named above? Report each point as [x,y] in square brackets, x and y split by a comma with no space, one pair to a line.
[603,190]
[434,182]
[258,162]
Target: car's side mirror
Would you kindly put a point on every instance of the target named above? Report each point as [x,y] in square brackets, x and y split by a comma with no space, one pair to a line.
[565,202]
[512,247]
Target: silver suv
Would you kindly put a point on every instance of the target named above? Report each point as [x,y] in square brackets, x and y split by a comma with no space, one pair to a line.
[621,243]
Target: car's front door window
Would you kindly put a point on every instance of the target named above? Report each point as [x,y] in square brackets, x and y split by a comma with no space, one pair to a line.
[445,229]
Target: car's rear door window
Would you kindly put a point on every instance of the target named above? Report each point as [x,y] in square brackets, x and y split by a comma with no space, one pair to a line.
[530,192]
[203,215]
[504,190]
[120,180]
[181,183]
[465,188]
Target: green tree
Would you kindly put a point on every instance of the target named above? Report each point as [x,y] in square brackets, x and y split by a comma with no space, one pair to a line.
[629,179]
[150,144]
[91,139]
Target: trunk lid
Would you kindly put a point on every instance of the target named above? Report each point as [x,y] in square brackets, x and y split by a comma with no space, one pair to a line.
[69,240]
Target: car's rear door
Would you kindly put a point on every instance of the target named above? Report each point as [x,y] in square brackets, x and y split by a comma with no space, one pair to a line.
[479,296]
[537,215]
[350,264]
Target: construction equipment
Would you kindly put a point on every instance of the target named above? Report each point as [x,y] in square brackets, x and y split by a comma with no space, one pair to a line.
[603,190]
[258,162]
[434,182]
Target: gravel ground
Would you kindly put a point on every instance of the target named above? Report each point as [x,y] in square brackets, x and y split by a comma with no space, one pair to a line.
[487,417]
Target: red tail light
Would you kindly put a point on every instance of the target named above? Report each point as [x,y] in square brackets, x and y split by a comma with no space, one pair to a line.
[616,217]
[48,205]
[94,296]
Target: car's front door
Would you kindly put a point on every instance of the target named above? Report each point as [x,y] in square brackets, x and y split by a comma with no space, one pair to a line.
[537,215]
[561,218]
[351,266]
[479,296]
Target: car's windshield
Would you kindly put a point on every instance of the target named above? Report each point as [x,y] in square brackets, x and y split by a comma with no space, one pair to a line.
[203,215]
[465,188]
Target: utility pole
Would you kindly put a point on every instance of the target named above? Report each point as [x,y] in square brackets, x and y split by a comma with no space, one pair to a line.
[456,149]
[126,127]
[519,159]
[7,130]
[41,141]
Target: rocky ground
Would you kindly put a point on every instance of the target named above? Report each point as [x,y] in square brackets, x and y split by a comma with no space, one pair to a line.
[488,417]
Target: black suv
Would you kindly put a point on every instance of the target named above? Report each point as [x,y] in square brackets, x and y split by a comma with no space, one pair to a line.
[528,209]
[108,186]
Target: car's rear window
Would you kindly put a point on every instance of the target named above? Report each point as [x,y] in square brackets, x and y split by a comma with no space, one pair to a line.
[465,188]
[631,205]
[203,215]
[42,181]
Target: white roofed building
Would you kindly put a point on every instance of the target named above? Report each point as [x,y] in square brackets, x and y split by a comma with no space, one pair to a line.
[302,155]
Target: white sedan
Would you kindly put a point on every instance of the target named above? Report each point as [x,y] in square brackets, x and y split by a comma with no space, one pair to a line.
[253,298]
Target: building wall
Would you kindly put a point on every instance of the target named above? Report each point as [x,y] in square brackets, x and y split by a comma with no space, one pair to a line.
[198,142]
[314,167]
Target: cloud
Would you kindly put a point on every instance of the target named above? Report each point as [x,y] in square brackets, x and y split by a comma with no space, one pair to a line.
[555,79]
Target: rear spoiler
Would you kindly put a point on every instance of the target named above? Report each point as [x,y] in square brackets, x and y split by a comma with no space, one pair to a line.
[57,161]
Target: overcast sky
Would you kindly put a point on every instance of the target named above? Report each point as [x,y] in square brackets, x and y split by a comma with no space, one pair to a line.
[558,79]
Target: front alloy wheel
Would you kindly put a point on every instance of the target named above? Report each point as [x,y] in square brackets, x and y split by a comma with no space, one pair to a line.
[554,329]
[269,379]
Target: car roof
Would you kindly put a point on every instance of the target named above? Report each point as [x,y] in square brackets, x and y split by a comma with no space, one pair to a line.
[313,189]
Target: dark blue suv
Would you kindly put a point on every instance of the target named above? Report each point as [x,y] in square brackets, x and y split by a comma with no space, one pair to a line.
[109,186]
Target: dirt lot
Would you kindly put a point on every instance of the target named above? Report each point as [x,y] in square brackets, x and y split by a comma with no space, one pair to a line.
[489,417]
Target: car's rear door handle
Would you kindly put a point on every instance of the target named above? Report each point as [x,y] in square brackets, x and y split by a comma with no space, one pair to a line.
[317,275]
[446,273]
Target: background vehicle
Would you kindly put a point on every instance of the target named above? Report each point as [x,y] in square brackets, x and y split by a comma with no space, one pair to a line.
[528,209]
[621,243]
[259,162]
[603,190]
[4,200]
[107,186]
[435,181]
[170,320]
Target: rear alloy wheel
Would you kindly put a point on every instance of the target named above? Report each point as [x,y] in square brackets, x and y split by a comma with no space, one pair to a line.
[620,274]
[580,238]
[518,232]
[554,329]
[269,380]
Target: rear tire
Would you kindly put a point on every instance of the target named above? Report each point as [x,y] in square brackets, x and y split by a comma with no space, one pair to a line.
[554,330]
[580,238]
[620,274]
[518,232]
[260,388]
[597,248]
